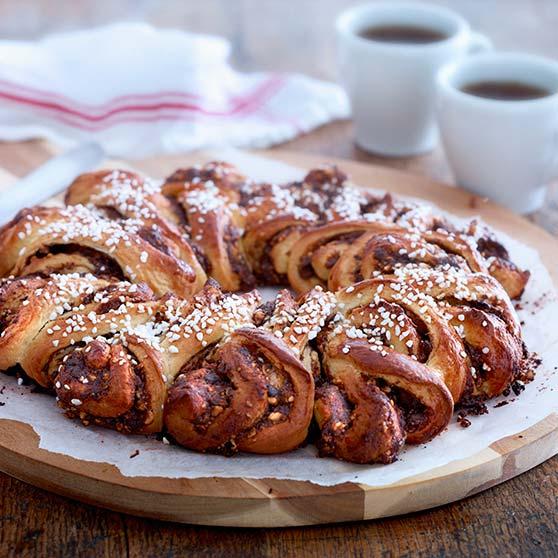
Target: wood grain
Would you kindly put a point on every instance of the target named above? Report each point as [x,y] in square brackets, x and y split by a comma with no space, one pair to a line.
[270,503]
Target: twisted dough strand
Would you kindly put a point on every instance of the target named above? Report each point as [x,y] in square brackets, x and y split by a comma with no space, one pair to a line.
[387,360]
[250,394]
[73,239]
[27,304]
[254,391]
[209,200]
[105,308]
[121,196]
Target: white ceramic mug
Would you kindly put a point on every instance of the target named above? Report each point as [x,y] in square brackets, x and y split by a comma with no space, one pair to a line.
[502,149]
[391,86]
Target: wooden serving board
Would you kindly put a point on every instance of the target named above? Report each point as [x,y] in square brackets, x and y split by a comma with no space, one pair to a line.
[275,503]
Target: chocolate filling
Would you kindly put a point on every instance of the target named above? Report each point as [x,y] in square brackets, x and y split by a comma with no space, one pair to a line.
[264,269]
[425,346]
[263,313]
[131,421]
[480,305]
[237,260]
[489,247]
[332,260]
[217,391]
[373,205]
[103,266]
[327,183]
[412,410]
[155,238]
[201,257]
[305,269]
[390,257]
[112,213]
[178,211]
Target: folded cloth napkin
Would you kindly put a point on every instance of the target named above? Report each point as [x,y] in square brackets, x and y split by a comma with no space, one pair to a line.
[138,91]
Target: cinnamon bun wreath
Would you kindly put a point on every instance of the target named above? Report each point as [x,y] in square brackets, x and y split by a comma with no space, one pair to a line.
[134,305]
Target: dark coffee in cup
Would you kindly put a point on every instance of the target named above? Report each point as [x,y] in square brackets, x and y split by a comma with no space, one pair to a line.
[506,90]
[402,34]
[389,54]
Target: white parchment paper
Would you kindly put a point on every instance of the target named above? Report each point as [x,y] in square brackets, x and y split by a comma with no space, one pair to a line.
[539,311]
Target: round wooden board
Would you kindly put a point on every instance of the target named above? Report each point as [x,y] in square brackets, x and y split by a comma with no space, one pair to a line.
[274,503]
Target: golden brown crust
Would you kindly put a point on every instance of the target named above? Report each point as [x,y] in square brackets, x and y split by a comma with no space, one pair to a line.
[27,304]
[110,360]
[480,311]
[372,402]
[268,245]
[99,377]
[255,391]
[388,357]
[389,253]
[500,265]
[22,313]
[113,386]
[317,251]
[442,351]
[202,321]
[251,394]
[384,253]
[421,317]
[122,195]
[46,240]
[209,197]
[107,314]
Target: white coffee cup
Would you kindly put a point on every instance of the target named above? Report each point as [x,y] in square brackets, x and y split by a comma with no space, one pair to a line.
[502,149]
[391,85]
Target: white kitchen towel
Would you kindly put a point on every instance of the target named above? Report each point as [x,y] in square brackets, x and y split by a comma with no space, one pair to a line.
[138,90]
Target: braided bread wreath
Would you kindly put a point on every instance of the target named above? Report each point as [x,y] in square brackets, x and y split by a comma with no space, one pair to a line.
[127,304]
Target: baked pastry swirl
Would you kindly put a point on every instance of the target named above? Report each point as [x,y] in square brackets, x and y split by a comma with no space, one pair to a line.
[323,208]
[401,316]
[42,241]
[392,370]
[254,391]
[110,355]
[249,393]
[341,254]
[123,196]
[207,200]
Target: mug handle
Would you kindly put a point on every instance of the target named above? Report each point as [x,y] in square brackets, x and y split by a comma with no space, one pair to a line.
[553,173]
[479,43]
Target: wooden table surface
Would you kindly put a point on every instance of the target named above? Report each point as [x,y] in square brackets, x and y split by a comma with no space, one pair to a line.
[518,518]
